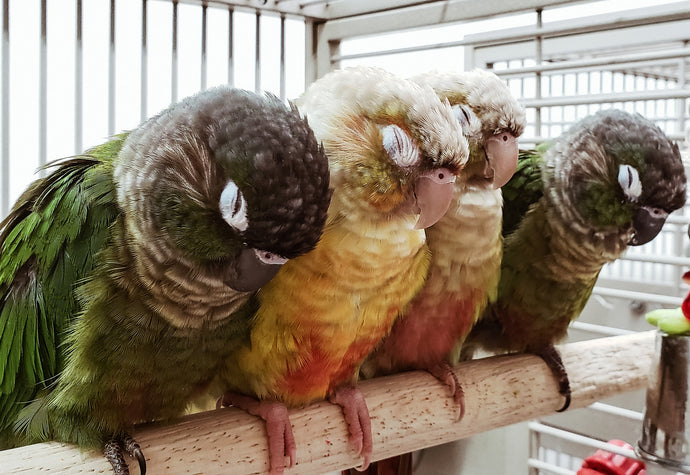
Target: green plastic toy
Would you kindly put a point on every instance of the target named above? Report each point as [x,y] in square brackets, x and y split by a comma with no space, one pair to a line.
[673,321]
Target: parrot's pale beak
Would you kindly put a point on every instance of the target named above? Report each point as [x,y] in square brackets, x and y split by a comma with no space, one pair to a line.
[647,223]
[434,192]
[502,157]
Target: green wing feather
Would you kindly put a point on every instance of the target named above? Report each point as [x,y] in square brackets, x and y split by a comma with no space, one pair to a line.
[523,189]
[48,243]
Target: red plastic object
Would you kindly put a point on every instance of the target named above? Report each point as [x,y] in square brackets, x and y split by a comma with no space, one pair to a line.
[606,463]
[685,306]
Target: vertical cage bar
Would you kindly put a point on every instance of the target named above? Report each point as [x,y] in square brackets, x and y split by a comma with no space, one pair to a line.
[204,36]
[231,60]
[5,158]
[282,57]
[534,441]
[78,79]
[680,231]
[173,72]
[257,59]
[538,92]
[680,103]
[144,84]
[111,72]
[309,52]
[43,90]
[589,90]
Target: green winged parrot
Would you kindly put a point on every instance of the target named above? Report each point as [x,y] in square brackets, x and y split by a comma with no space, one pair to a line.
[573,205]
[127,274]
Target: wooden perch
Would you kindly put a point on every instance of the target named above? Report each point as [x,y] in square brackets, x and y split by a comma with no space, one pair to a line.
[408,411]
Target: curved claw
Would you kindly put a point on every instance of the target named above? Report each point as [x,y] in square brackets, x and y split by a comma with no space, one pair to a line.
[281,441]
[566,404]
[358,422]
[553,360]
[113,451]
[134,450]
[142,461]
[444,373]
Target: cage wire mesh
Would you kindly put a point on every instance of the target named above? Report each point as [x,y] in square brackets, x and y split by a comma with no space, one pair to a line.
[75,72]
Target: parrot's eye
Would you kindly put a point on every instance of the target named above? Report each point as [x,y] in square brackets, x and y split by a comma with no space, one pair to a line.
[233,207]
[400,147]
[465,117]
[270,258]
[629,180]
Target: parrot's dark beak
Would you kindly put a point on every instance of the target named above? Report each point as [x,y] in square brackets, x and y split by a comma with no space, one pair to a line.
[502,157]
[647,223]
[434,192]
[251,272]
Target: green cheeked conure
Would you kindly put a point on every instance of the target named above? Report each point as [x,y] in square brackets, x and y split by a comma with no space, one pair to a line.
[126,274]
[607,183]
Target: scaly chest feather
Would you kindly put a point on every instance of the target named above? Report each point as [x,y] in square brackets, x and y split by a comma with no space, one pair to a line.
[466,257]
[547,277]
[466,247]
[326,310]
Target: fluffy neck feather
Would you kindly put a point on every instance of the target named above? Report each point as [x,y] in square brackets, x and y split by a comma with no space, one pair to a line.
[179,291]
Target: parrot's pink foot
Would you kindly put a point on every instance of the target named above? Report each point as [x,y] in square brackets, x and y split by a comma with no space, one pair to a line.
[281,441]
[358,421]
[114,452]
[444,373]
[552,358]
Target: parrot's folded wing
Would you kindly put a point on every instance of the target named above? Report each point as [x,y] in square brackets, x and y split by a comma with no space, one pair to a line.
[48,244]
[523,189]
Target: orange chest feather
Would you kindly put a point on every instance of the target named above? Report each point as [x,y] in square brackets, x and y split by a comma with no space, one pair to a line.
[333,309]
[329,363]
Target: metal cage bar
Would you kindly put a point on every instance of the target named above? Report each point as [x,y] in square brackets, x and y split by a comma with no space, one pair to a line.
[5,155]
[112,79]
[257,54]
[78,76]
[204,39]
[231,62]
[43,90]
[282,57]
[174,80]
[144,74]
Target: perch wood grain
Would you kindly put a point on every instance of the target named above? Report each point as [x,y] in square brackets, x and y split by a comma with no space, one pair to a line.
[409,411]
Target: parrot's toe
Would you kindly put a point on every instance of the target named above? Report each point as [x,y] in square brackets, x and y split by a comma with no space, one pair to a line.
[444,373]
[553,360]
[281,441]
[115,449]
[358,422]
[113,453]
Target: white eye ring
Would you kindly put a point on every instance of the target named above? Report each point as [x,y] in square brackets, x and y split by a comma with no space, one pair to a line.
[233,207]
[270,258]
[629,180]
[400,147]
